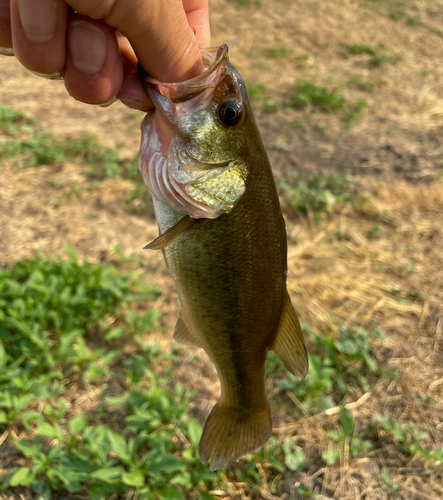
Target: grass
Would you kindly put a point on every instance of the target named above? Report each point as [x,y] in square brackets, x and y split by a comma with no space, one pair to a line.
[319,195]
[29,147]
[306,94]
[68,329]
[240,4]
[259,97]
[340,365]
[277,51]
[91,407]
[345,271]
[37,148]
[377,56]
[63,329]
[11,120]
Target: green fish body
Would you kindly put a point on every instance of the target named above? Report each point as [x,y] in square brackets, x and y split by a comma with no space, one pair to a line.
[225,246]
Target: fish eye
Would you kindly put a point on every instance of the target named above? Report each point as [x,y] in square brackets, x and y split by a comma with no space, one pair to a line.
[230,113]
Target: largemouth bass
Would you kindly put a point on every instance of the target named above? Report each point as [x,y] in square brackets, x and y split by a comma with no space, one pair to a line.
[224,240]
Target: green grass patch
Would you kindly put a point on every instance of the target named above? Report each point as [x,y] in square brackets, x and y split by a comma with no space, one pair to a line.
[68,330]
[37,148]
[339,366]
[29,147]
[319,195]
[258,93]
[358,48]
[240,4]
[377,56]
[368,86]
[345,440]
[278,51]
[13,121]
[306,94]
[64,325]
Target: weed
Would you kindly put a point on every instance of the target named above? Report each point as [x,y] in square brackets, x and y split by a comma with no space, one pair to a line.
[278,51]
[338,366]
[363,85]
[358,49]
[14,121]
[344,436]
[408,268]
[46,311]
[39,148]
[387,481]
[377,56]
[306,93]
[318,195]
[417,295]
[258,95]
[245,3]
[407,437]
[354,113]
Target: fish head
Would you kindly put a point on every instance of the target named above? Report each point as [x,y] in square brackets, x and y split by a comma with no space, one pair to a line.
[194,145]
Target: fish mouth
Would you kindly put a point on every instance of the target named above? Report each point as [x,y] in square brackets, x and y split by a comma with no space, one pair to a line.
[215,59]
[169,98]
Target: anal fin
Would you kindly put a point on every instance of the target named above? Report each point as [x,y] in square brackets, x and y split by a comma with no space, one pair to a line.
[289,345]
[184,335]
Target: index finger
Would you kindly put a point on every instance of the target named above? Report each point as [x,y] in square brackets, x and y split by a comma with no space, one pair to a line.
[5,26]
[158,30]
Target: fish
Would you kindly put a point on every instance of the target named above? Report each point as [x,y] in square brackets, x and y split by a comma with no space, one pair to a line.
[223,237]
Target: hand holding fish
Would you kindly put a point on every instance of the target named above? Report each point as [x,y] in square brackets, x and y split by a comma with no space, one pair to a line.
[77,40]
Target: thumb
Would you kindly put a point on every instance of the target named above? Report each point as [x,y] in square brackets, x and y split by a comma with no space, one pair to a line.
[158,31]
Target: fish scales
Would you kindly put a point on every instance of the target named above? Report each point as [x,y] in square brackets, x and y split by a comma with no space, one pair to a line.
[228,258]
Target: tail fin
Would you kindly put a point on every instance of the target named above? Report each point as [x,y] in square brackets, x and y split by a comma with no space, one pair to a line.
[230,433]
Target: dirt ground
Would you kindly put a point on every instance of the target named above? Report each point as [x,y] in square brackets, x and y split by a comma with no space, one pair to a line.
[394,152]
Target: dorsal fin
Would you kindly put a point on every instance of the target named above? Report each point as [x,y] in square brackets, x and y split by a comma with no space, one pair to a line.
[184,335]
[289,345]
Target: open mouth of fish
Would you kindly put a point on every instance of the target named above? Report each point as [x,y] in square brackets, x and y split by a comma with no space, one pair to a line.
[176,159]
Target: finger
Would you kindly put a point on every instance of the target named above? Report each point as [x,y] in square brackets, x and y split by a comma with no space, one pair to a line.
[198,19]
[131,93]
[38,34]
[157,30]
[5,27]
[94,67]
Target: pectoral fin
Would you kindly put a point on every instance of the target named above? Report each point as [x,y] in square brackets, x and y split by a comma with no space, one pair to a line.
[184,335]
[289,345]
[174,232]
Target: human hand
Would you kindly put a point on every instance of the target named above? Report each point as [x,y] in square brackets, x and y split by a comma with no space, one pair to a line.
[77,40]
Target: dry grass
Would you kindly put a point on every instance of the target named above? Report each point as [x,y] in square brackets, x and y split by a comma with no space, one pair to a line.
[379,265]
